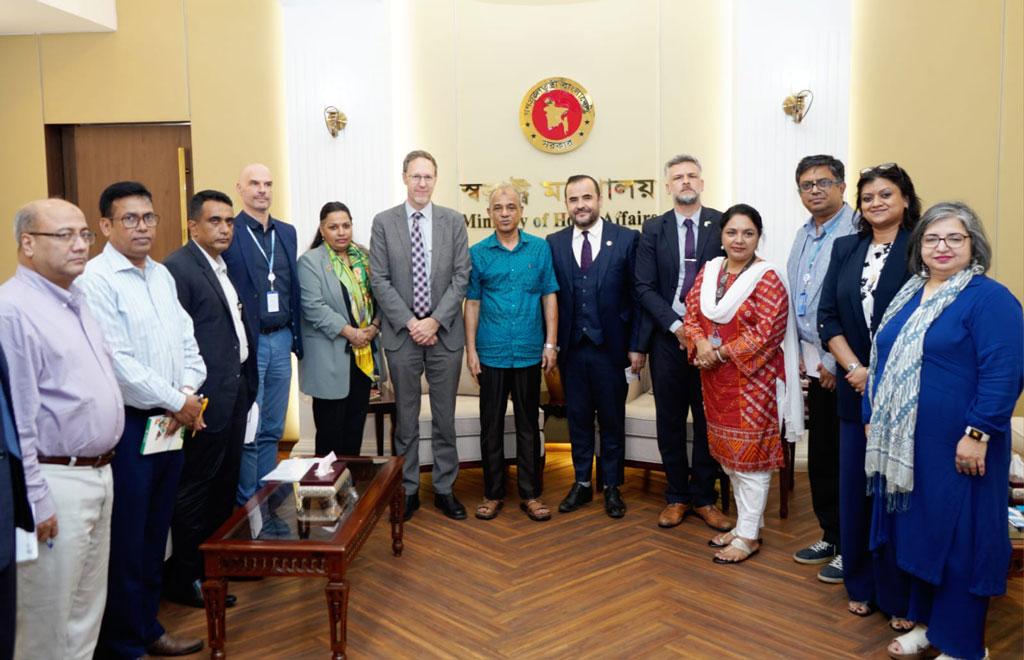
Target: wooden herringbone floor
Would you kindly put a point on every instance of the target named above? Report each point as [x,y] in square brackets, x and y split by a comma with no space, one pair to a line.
[579,585]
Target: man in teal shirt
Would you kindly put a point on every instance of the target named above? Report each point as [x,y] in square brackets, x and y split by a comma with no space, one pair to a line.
[511,321]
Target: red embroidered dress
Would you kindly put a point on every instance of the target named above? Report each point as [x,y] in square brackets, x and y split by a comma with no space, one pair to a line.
[739,395]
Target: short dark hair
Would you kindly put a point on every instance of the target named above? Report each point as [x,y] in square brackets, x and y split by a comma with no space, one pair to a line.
[898,176]
[326,210]
[576,178]
[120,190]
[413,155]
[743,209]
[834,165]
[195,205]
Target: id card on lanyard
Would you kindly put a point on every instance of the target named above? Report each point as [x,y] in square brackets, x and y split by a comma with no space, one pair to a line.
[273,298]
[801,304]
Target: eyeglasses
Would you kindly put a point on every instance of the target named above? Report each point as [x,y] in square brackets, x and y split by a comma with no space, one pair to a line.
[823,184]
[952,241]
[131,220]
[879,168]
[67,236]
[422,178]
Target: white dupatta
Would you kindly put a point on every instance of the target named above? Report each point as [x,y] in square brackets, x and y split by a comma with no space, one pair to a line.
[788,395]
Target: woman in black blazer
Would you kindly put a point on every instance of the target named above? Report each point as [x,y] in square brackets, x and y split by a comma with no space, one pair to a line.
[865,272]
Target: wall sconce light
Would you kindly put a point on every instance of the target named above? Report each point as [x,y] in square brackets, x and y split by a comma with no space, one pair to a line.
[335,120]
[796,106]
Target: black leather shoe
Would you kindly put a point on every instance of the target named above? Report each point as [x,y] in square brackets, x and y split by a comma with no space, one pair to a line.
[613,504]
[577,497]
[412,502]
[193,597]
[450,506]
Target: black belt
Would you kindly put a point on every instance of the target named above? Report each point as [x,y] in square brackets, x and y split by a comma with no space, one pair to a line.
[78,461]
[270,331]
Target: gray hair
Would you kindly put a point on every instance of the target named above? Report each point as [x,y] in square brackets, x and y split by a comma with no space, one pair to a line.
[683,158]
[23,220]
[981,250]
[505,187]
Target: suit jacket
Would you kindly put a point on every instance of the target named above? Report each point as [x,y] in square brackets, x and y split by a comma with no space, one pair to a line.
[202,296]
[657,265]
[840,311]
[244,277]
[613,270]
[324,368]
[14,507]
[391,274]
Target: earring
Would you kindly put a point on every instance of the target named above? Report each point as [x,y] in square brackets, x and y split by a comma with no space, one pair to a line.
[924,272]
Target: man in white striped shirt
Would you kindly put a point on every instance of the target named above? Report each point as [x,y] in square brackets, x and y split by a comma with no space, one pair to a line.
[158,366]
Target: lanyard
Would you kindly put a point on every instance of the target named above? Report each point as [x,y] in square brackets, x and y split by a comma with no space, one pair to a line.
[815,251]
[270,260]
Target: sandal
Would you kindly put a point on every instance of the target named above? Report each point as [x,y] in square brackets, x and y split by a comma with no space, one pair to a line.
[900,624]
[862,608]
[488,509]
[536,510]
[724,539]
[943,656]
[745,549]
[913,645]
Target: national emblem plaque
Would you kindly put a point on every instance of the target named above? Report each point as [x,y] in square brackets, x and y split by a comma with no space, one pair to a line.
[556,115]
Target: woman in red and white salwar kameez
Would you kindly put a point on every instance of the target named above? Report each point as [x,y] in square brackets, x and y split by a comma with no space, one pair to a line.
[737,317]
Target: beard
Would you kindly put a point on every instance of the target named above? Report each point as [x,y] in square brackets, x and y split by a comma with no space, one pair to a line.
[687,198]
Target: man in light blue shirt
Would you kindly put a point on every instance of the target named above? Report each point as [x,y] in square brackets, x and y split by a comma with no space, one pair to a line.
[511,321]
[820,185]
[159,369]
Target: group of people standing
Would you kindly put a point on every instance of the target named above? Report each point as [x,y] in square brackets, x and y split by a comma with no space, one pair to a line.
[913,358]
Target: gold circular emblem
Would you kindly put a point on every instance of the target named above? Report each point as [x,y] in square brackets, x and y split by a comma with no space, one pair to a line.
[556,115]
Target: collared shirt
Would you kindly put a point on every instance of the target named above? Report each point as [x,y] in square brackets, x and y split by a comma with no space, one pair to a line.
[509,285]
[426,228]
[148,331]
[806,269]
[258,253]
[63,389]
[593,235]
[220,269]
[677,306]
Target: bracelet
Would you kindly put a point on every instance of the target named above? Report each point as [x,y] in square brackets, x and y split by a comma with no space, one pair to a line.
[720,358]
[553,347]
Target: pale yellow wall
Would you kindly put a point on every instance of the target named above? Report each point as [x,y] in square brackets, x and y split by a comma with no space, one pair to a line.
[1009,231]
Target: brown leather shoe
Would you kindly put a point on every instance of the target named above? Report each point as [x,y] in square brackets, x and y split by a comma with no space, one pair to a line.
[170,645]
[673,514]
[714,518]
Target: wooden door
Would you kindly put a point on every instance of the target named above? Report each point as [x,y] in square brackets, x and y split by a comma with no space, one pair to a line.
[85,159]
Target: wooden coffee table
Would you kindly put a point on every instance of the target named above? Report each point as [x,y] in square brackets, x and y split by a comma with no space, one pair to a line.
[265,538]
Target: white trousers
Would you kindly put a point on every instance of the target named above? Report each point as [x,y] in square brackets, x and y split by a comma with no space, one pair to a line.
[750,490]
[61,595]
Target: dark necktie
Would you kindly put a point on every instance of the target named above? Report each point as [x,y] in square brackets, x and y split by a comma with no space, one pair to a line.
[586,256]
[689,260]
[420,282]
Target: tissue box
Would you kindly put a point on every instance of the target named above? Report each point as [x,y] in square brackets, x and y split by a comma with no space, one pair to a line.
[319,499]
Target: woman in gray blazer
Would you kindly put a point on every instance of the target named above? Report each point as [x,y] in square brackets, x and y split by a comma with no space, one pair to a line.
[339,326]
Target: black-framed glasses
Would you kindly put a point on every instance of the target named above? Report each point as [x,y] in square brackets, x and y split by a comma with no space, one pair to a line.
[67,236]
[822,184]
[879,168]
[952,241]
[132,220]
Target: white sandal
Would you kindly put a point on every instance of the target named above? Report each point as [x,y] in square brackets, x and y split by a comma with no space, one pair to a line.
[914,645]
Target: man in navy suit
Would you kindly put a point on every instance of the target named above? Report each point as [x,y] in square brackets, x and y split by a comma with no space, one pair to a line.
[598,337]
[261,265]
[672,250]
[209,479]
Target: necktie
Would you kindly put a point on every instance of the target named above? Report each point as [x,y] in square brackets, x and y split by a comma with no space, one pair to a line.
[586,256]
[420,283]
[689,260]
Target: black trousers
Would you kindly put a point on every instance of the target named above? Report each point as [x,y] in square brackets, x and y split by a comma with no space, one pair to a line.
[339,422]
[823,458]
[677,390]
[8,581]
[524,386]
[206,494]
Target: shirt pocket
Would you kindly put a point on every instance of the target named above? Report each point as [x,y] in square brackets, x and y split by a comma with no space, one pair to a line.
[528,277]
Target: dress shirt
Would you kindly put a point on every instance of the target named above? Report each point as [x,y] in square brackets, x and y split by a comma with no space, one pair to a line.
[426,229]
[805,275]
[63,388]
[594,236]
[148,331]
[258,253]
[220,269]
[678,306]
[509,285]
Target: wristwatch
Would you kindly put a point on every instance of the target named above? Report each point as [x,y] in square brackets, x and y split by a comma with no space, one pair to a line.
[553,347]
[976,434]
[853,365]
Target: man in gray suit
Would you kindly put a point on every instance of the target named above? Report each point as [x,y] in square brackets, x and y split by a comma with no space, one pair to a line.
[419,265]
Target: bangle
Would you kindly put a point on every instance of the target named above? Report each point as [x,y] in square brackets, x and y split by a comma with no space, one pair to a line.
[850,368]
[553,347]
[720,358]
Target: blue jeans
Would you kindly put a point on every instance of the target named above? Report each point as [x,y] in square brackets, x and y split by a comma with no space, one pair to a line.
[274,363]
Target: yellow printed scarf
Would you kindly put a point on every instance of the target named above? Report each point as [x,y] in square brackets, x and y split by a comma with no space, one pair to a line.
[356,280]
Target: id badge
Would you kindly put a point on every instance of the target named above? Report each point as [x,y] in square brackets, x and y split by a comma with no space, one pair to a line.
[801,305]
[273,302]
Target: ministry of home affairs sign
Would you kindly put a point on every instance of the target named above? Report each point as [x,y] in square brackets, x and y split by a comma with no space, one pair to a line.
[556,115]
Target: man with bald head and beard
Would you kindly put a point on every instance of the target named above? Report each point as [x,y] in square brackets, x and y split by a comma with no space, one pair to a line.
[261,263]
[70,416]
